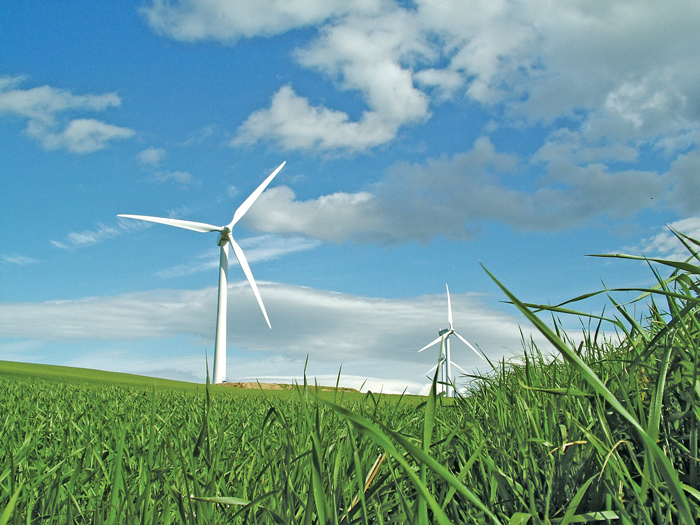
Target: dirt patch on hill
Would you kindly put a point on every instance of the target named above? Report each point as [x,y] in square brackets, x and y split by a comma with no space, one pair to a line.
[256,385]
[281,386]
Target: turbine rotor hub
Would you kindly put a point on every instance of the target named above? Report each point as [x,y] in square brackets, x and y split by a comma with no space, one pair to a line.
[225,237]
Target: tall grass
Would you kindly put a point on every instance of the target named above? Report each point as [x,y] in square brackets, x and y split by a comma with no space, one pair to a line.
[604,431]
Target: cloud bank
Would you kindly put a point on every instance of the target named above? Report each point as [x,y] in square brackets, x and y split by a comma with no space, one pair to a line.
[455,196]
[365,335]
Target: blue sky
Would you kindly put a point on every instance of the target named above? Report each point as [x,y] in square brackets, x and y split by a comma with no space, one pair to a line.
[421,138]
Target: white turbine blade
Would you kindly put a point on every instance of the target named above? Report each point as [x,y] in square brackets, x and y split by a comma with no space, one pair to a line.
[249,275]
[243,208]
[449,307]
[456,365]
[430,344]
[188,225]
[428,372]
[469,345]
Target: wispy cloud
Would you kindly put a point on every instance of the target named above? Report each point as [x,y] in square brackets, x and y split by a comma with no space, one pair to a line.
[200,136]
[269,247]
[20,260]
[102,233]
[24,350]
[42,107]
[666,244]
[151,161]
[260,248]
[183,178]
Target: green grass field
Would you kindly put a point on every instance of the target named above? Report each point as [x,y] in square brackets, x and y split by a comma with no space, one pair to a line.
[86,376]
[606,431]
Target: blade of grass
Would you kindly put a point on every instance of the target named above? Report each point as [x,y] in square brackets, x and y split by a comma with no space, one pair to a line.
[428,425]
[5,516]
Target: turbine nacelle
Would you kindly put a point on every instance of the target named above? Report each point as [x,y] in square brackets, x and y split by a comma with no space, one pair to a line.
[225,236]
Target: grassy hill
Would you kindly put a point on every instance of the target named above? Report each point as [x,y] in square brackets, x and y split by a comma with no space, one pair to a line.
[73,375]
[86,376]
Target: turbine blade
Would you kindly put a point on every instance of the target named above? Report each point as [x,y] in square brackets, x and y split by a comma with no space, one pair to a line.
[430,344]
[428,372]
[449,307]
[243,208]
[469,345]
[188,225]
[249,275]
[456,365]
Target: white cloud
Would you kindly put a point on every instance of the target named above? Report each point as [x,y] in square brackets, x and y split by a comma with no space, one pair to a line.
[151,157]
[623,71]
[260,248]
[455,196]
[622,75]
[20,260]
[294,124]
[41,106]
[364,54]
[370,337]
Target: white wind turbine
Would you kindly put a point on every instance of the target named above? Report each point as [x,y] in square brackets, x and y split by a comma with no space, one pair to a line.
[224,240]
[445,362]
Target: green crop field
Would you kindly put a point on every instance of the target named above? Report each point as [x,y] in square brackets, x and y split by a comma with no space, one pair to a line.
[85,376]
[605,431]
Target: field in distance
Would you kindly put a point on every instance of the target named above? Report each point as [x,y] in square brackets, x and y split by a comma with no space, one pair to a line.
[73,375]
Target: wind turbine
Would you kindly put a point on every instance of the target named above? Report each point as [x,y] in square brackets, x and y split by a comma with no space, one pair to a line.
[444,359]
[225,238]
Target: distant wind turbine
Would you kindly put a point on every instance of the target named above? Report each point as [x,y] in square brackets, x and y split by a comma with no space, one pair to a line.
[445,363]
[224,240]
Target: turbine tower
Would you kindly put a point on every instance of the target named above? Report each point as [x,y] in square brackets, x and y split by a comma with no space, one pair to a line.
[225,239]
[445,359]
